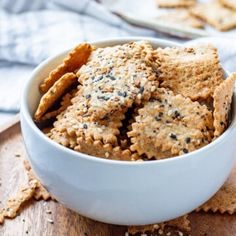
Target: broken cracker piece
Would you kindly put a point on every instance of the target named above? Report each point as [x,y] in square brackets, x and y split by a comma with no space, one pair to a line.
[222,99]
[175,3]
[55,92]
[181,17]
[181,223]
[229,3]
[76,58]
[224,201]
[216,15]
[193,72]
[13,205]
[170,125]
[116,77]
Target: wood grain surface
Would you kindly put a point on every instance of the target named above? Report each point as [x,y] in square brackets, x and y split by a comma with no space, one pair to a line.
[35,218]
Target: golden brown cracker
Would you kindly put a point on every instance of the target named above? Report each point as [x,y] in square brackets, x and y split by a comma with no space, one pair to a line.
[175,3]
[181,17]
[222,103]
[116,77]
[225,199]
[98,149]
[192,71]
[181,223]
[55,92]
[76,58]
[170,125]
[216,15]
[14,204]
[71,123]
[229,3]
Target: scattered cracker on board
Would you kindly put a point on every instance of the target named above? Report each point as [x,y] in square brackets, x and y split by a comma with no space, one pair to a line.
[14,205]
[170,125]
[76,58]
[193,71]
[181,17]
[116,77]
[215,14]
[222,99]
[54,93]
[229,3]
[225,199]
[182,223]
[175,3]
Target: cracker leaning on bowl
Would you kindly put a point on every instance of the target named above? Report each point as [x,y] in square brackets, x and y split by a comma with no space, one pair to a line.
[170,90]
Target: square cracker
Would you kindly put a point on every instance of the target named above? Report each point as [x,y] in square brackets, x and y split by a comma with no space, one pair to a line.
[222,99]
[182,223]
[181,17]
[229,3]
[224,201]
[175,3]
[193,72]
[215,14]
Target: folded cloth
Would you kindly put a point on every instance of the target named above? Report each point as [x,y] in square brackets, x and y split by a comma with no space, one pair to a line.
[31,31]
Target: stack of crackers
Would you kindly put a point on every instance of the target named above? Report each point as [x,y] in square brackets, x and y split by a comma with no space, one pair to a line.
[133,102]
[220,14]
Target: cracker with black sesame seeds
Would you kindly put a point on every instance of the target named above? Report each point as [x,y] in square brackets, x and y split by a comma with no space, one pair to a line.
[215,14]
[175,3]
[99,149]
[181,223]
[191,71]
[13,205]
[224,201]
[74,60]
[170,125]
[116,77]
[181,17]
[54,93]
[222,99]
[229,3]
[71,123]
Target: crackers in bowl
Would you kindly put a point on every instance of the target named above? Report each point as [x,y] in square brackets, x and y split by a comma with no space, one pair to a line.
[134,102]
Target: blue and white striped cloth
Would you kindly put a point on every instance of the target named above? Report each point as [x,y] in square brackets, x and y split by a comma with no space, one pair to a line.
[32,30]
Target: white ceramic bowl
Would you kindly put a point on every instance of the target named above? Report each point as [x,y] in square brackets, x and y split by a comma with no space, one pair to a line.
[122,192]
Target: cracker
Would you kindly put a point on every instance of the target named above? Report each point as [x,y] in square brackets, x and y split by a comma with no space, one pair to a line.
[229,3]
[13,205]
[170,125]
[76,58]
[116,77]
[182,223]
[216,15]
[54,93]
[193,71]
[181,17]
[225,199]
[70,124]
[222,103]
[175,3]
[98,149]
[65,102]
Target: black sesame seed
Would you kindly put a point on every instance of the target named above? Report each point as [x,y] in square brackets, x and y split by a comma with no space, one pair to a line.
[124,94]
[222,123]
[187,140]
[98,78]
[157,118]
[111,77]
[160,114]
[173,136]
[103,98]
[85,126]
[176,114]
[141,89]
[88,96]
[185,150]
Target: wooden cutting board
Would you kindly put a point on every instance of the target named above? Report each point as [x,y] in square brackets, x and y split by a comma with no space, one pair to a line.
[35,220]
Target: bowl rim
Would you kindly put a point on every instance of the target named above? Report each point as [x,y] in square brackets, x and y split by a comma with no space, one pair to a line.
[25,113]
